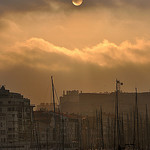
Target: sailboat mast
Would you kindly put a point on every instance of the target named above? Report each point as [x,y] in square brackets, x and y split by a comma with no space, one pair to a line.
[53,92]
[137,117]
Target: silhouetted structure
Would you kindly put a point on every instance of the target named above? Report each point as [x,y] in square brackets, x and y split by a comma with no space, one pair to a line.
[87,103]
[16,119]
[22,129]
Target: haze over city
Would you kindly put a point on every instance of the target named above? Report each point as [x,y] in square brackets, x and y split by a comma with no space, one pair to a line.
[85,47]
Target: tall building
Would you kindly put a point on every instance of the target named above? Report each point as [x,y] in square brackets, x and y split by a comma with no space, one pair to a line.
[16,119]
[88,103]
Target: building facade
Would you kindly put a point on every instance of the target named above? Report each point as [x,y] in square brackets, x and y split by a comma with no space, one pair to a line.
[56,131]
[16,119]
[88,103]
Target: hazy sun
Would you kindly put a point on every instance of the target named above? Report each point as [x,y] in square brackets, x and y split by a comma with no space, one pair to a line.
[77,2]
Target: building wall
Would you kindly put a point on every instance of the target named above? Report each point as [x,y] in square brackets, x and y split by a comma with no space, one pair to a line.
[56,133]
[69,102]
[15,117]
[87,103]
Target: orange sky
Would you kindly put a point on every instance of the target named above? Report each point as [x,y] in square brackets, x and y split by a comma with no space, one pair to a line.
[84,47]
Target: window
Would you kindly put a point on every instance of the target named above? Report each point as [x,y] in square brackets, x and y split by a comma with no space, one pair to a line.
[19,115]
[9,109]
[10,136]
[2,132]
[10,129]
[2,118]
[43,135]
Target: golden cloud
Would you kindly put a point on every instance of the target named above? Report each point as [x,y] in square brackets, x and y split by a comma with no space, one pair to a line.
[37,52]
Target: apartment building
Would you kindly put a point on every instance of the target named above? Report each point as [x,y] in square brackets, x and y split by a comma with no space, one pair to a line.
[16,119]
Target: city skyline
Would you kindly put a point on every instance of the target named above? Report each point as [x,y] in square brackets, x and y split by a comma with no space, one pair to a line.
[85,47]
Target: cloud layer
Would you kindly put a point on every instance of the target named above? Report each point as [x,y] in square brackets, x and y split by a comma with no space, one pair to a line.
[37,52]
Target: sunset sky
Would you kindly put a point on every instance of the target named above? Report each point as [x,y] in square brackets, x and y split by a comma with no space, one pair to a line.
[85,47]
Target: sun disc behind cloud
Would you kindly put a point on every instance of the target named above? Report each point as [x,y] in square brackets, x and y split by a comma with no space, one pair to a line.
[77,2]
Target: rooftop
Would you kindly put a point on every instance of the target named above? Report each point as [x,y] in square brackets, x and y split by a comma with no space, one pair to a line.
[7,94]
